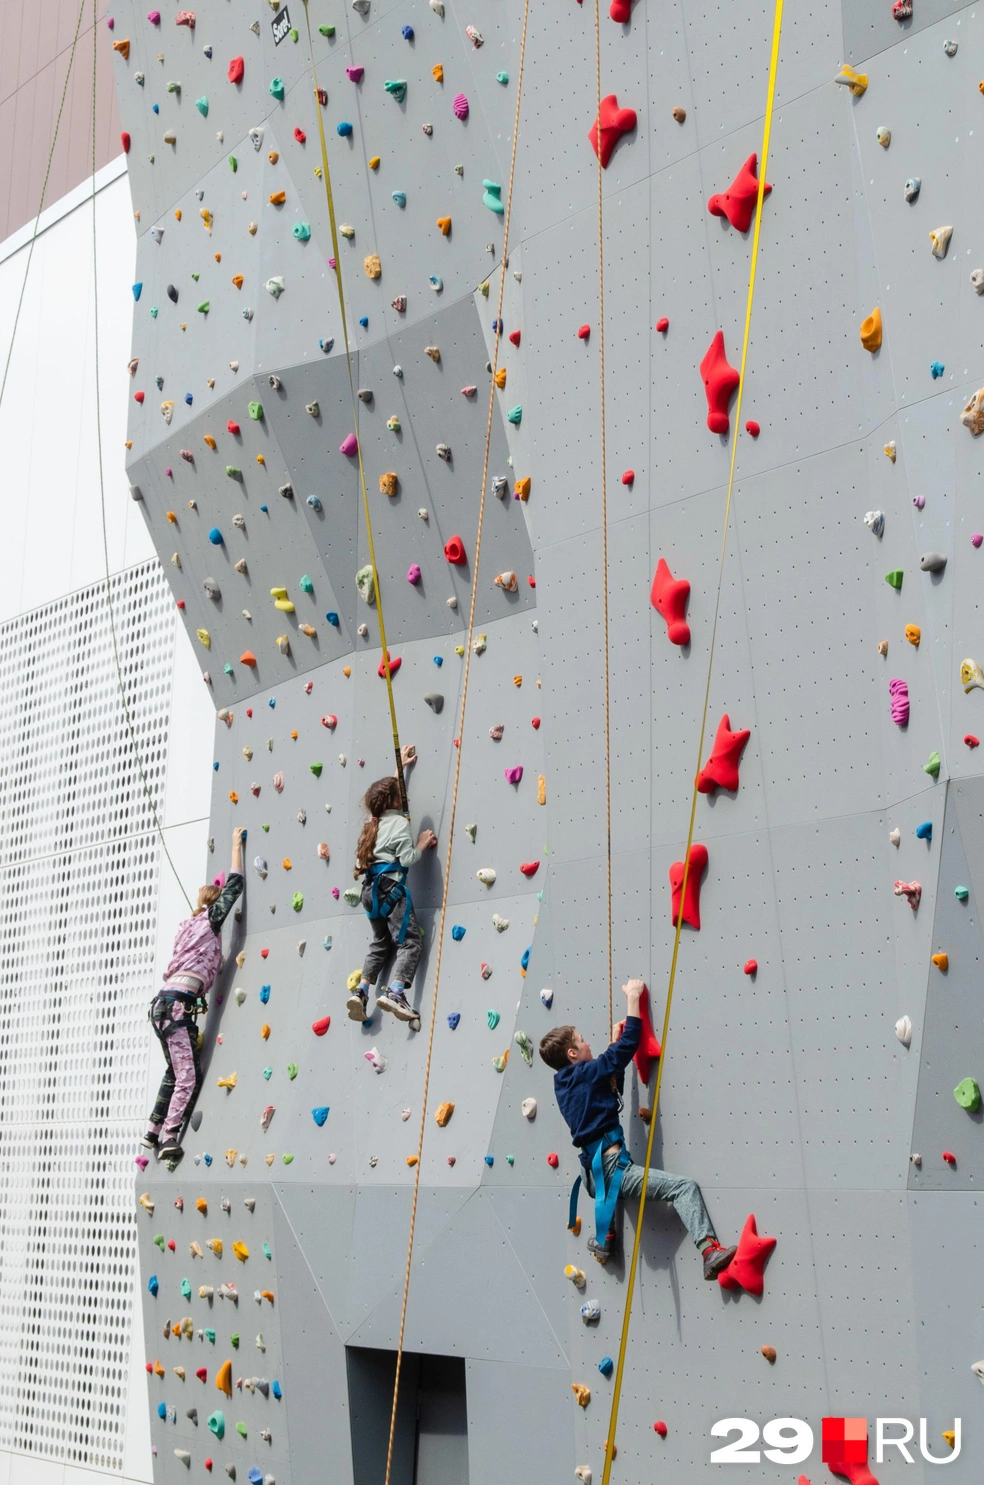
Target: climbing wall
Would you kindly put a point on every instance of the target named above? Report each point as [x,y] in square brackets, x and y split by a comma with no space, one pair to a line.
[827,1006]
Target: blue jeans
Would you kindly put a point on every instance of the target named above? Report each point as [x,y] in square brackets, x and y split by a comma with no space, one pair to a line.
[680,1190]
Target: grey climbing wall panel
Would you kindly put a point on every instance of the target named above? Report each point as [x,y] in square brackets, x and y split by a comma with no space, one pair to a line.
[787,1093]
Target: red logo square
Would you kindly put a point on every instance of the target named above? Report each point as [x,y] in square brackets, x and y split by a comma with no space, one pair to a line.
[844,1441]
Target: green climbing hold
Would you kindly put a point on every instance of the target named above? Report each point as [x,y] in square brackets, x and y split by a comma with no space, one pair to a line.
[196,277]
[328,31]
[186,1288]
[287,1159]
[294,34]
[297,901]
[515,414]
[267,1251]
[525,1046]
[216,1422]
[204,307]
[961,893]
[968,1095]
[316,769]
[292,1070]
[173,87]
[302,231]
[153,312]
[159,1240]
[493,196]
[234,1340]
[241,1429]
[366,584]
[256,411]
[933,766]
[493,1019]
[397,89]
[894,579]
[202,105]
[265,828]
[352,895]
[305,584]
[268,1073]
[209,1335]
[510,1160]
[233,164]
[277,88]
[227,668]
[234,472]
[502,77]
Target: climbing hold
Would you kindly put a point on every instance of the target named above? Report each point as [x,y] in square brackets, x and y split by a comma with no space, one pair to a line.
[913,634]
[942,962]
[911,891]
[320,1027]
[883,136]
[668,595]
[366,585]
[529,868]
[575,1275]
[972,416]
[721,769]
[894,579]
[746,1269]
[443,1113]
[581,1393]
[949,1157]
[903,1030]
[912,188]
[750,967]
[968,1095]
[454,551]
[932,562]
[925,830]
[649,1048]
[898,691]
[457,933]
[223,1378]
[871,331]
[738,202]
[932,766]
[720,382]
[691,902]
[610,124]
[875,521]
[460,106]
[492,196]
[939,239]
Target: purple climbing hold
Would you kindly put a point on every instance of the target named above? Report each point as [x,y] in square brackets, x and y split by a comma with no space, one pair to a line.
[513,775]
[460,106]
[349,446]
[899,693]
[413,573]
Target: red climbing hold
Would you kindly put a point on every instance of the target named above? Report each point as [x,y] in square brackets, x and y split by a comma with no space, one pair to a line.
[320,1027]
[584,332]
[535,722]
[663,325]
[856,1473]
[751,967]
[620,11]
[264,953]
[125,142]
[949,1157]
[208,1464]
[300,135]
[529,868]
[394,664]
[202,1374]
[691,902]
[612,122]
[138,396]
[454,550]
[752,428]
[331,721]
[660,1427]
[668,596]
[236,69]
[737,203]
[553,1160]
[972,741]
[628,478]
[181,603]
[720,384]
[515,336]
[746,1269]
[721,769]
[232,427]
[649,1048]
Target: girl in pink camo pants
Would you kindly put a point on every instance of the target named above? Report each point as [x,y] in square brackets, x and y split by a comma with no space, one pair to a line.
[195,962]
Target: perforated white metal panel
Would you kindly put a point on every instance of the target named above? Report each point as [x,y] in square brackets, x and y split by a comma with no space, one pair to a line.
[78,905]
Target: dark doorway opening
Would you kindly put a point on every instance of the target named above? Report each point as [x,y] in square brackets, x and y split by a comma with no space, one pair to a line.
[430,1443]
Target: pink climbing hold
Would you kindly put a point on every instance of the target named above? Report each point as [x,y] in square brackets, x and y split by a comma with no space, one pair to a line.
[899,693]
[649,1048]
[154,17]
[354,74]
[721,769]
[460,106]
[668,596]
[663,325]
[349,446]
[911,891]
[737,203]
[454,550]
[413,573]
[720,383]
[976,539]
[612,122]
[529,868]
[746,1269]
[320,1027]
[513,775]
[691,901]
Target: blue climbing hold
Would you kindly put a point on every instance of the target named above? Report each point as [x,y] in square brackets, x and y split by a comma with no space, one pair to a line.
[364,321]
[453,1020]
[525,961]
[137,290]
[153,1285]
[326,343]
[255,1476]
[272,702]
[276,1389]
[457,933]
[408,33]
[606,1366]
[265,509]
[215,765]
[438,661]
[334,621]
[925,830]
[344,129]
[496,325]
[319,1115]
[156,107]
[189,398]
[400,197]
[264,993]
[936,369]
[162,1410]
[215,536]
[315,504]
[207,1159]
[490,1160]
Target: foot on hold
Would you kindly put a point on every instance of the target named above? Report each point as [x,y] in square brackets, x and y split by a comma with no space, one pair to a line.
[171,1148]
[601,1252]
[395,1000]
[357,1003]
[716,1259]
[149,1141]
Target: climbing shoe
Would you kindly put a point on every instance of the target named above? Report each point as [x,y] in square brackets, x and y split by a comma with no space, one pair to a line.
[601,1252]
[170,1150]
[357,1003]
[716,1259]
[149,1141]
[396,1001]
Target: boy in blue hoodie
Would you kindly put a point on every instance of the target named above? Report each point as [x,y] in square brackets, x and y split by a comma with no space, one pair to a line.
[589,1095]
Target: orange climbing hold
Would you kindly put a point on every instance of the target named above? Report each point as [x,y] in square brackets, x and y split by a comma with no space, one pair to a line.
[209,439]
[445,225]
[720,384]
[738,202]
[223,1378]
[123,47]
[691,902]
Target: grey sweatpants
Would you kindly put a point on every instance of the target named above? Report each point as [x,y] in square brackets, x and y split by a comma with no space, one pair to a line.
[680,1190]
[385,932]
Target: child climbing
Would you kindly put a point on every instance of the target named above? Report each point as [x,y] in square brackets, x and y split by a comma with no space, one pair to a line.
[383,857]
[195,961]
[589,1094]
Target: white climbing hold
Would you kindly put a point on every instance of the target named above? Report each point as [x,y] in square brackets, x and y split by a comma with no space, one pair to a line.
[977,279]
[916,1159]
[376,1058]
[978,1369]
[437,6]
[529,1108]
[275,285]
[499,924]
[950,47]
[240,994]
[903,1030]
[486,875]
[875,521]
[895,836]
[939,239]
[971,675]
[452,602]
[547,997]
[471,831]
[424,513]
[583,1471]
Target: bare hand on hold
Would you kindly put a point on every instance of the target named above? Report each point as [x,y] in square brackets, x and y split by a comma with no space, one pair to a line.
[425,839]
[408,754]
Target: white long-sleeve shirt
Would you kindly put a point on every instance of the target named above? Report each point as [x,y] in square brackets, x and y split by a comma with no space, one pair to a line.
[394,841]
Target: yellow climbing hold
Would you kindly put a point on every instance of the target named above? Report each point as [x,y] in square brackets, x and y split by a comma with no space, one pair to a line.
[354,979]
[233,796]
[374,163]
[541,789]
[201,1205]
[500,377]
[215,1246]
[281,601]
[241,1251]
[205,638]
[229,1082]
[521,489]
[372,265]
[855,82]
[582,1393]
[948,1434]
[437,73]
[443,1113]
[223,1378]
[445,225]
[209,438]
[871,331]
[147,1203]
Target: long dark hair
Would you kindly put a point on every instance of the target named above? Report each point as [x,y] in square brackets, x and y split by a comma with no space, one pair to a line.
[381,796]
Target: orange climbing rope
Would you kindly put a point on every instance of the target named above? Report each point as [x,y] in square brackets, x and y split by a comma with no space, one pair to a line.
[633,1266]
[460,751]
[355,416]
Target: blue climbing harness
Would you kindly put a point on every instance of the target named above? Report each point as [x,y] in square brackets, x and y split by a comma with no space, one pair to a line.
[606,1192]
[382,907]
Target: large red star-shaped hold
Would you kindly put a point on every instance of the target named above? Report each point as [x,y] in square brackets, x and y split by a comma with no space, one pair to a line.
[737,203]
[746,1269]
[649,1048]
[691,902]
[720,383]
[721,769]
[612,122]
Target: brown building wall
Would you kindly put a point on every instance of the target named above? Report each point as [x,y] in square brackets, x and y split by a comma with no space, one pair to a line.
[35,46]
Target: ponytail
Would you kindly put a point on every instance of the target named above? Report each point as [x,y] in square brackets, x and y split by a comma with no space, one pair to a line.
[381,796]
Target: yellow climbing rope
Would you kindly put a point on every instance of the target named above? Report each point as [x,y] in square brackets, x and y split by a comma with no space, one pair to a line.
[460,750]
[630,1286]
[355,414]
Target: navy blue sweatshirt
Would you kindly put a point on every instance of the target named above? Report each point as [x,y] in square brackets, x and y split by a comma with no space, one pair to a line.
[589,1093]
